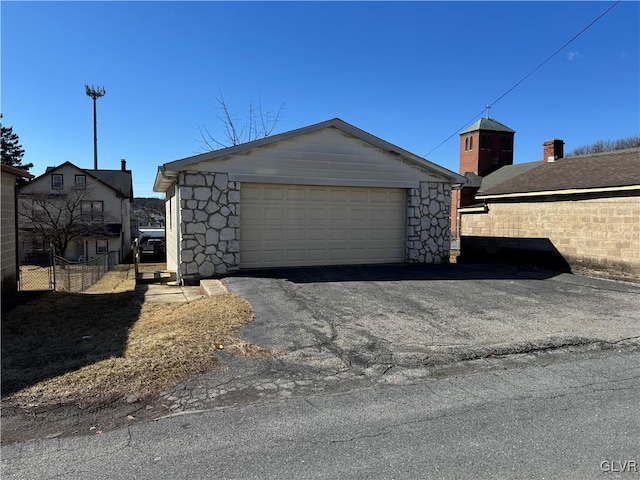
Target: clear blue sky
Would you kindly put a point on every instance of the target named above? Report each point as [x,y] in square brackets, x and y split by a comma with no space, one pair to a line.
[411,73]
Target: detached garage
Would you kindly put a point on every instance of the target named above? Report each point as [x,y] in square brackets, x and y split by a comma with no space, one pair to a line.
[327,194]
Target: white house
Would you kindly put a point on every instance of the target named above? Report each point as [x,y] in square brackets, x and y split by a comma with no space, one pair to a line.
[326,194]
[93,209]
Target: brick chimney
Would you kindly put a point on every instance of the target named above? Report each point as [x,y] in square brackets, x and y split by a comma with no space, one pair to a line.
[552,150]
[123,164]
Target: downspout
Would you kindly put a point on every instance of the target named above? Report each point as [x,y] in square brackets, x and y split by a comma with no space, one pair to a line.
[176,180]
[178,233]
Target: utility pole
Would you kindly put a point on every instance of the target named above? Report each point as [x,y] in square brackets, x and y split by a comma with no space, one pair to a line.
[95,93]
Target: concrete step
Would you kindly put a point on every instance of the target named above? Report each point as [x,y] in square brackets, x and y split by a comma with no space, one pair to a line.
[156,277]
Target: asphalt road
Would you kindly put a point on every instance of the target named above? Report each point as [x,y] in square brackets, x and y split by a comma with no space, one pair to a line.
[567,417]
[337,329]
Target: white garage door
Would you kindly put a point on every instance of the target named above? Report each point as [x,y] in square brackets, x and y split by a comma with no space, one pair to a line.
[295,225]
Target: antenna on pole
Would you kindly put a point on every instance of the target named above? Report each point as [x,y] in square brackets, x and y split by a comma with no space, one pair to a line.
[95,93]
[488,107]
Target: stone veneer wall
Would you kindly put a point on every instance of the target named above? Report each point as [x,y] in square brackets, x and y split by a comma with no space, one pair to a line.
[428,223]
[599,233]
[210,226]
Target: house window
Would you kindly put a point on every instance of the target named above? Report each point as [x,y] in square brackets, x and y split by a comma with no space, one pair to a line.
[466,144]
[92,211]
[56,181]
[485,142]
[507,143]
[102,247]
[470,143]
[81,182]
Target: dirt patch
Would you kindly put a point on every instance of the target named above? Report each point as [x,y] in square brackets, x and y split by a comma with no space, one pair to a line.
[76,364]
[22,423]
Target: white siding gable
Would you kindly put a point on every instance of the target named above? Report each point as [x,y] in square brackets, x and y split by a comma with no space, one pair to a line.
[325,157]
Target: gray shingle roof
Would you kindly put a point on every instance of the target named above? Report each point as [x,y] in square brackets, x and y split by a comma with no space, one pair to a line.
[119,180]
[487,124]
[506,173]
[619,168]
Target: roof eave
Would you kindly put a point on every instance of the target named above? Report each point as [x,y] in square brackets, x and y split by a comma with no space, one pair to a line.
[572,191]
[18,172]
[164,179]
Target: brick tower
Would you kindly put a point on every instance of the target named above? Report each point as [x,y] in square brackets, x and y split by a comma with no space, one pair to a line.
[485,146]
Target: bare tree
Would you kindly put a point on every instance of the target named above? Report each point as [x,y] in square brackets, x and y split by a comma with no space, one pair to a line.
[62,217]
[260,124]
[606,146]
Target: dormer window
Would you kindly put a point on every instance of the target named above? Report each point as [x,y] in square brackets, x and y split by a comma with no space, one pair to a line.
[81,182]
[56,181]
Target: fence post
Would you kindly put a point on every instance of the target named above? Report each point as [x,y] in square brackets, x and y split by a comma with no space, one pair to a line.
[135,259]
[52,266]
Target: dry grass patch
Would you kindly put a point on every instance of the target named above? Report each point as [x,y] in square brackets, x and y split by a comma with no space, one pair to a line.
[97,347]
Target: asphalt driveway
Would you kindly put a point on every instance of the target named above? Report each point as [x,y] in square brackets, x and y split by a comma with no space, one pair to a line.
[334,326]
[415,315]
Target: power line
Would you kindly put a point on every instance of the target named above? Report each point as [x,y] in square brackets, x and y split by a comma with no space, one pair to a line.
[525,77]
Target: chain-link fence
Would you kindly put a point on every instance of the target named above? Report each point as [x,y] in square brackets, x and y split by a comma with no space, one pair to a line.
[44,270]
[36,271]
[78,276]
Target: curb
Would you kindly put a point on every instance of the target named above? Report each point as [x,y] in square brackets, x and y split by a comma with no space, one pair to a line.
[213,287]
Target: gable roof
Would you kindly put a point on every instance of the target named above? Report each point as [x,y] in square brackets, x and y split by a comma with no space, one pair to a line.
[171,169]
[487,124]
[118,180]
[608,171]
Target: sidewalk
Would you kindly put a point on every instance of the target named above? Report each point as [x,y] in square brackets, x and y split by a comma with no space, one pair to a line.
[160,293]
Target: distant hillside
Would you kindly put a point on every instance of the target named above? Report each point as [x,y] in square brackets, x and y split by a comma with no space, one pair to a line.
[148,211]
[149,203]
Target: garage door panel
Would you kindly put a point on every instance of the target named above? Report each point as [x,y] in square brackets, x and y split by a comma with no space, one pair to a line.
[272,256]
[380,197]
[317,255]
[315,234]
[297,194]
[316,195]
[380,234]
[273,193]
[359,214]
[360,196]
[250,192]
[293,225]
[397,196]
[250,235]
[340,214]
[270,235]
[358,234]
[296,234]
[339,256]
[296,213]
[272,213]
[339,195]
